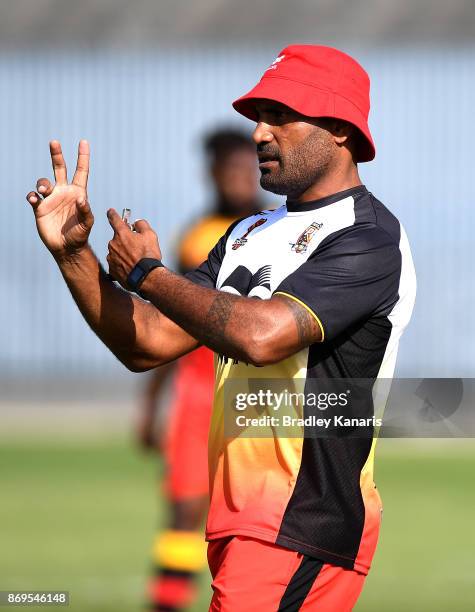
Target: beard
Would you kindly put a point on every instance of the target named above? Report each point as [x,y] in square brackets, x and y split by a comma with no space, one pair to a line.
[301,167]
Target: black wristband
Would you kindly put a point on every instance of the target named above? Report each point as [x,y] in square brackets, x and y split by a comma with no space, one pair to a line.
[139,273]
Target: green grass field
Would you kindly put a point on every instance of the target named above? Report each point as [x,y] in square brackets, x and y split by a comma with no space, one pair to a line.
[79,516]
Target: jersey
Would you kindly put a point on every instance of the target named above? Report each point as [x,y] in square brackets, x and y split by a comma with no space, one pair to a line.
[346,259]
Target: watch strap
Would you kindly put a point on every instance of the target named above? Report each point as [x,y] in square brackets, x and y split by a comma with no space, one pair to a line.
[140,271]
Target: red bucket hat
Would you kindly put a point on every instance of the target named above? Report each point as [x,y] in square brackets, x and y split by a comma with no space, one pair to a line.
[316,81]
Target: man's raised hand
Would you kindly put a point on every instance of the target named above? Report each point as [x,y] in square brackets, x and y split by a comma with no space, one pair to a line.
[62,212]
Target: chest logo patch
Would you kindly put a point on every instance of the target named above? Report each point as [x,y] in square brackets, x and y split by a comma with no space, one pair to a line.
[239,242]
[301,244]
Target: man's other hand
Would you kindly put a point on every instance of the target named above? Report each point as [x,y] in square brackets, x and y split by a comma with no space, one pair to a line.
[62,212]
[128,247]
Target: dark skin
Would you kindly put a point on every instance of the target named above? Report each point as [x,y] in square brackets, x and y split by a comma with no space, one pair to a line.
[183,315]
[280,132]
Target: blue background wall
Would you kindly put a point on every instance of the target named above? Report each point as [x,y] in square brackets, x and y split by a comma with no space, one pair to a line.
[144,114]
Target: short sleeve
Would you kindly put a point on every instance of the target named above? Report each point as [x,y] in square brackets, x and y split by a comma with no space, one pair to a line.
[352,275]
[206,274]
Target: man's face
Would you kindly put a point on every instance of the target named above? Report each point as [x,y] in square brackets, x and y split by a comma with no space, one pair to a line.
[294,151]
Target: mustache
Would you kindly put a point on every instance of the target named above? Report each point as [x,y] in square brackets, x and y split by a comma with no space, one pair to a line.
[266,152]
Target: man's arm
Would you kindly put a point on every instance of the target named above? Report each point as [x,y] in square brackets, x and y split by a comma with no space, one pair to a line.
[138,334]
[135,331]
[183,314]
[255,331]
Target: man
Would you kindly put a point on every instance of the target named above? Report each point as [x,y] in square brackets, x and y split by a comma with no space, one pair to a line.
[179,552]
[293,523]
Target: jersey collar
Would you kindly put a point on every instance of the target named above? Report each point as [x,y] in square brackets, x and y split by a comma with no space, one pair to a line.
[331,199]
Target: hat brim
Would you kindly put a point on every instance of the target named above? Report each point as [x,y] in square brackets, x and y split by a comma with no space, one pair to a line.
[311,102]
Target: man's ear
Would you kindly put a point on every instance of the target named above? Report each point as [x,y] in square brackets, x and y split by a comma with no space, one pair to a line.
[342,131]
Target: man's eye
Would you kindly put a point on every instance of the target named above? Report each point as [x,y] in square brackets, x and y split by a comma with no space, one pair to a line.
[277,116]
[272,115]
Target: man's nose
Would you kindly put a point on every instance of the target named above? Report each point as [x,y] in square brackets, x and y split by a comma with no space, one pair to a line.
[262,133]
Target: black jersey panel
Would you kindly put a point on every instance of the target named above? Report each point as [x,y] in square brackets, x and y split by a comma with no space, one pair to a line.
[353,274]
[325,516]
[357,352]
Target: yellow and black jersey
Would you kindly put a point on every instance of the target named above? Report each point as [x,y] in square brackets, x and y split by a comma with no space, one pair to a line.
[346,259]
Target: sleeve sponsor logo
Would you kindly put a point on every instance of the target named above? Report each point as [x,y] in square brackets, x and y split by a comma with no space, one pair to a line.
[239,242]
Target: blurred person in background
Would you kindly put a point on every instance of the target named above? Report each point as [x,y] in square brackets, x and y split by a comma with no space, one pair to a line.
[179,552]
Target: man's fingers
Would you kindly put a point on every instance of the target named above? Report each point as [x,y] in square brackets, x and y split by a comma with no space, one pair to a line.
[82,166]
[141,226]
[34,199]
[44,187]
[59,165]
[115,220]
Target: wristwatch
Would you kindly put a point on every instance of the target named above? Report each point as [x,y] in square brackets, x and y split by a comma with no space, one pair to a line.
[140,272]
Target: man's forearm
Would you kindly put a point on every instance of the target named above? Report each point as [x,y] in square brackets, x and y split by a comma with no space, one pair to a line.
[113,314]
[228,324]
[248,329]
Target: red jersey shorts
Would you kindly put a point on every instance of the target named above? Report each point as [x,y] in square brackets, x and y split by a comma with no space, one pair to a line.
[254,576]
